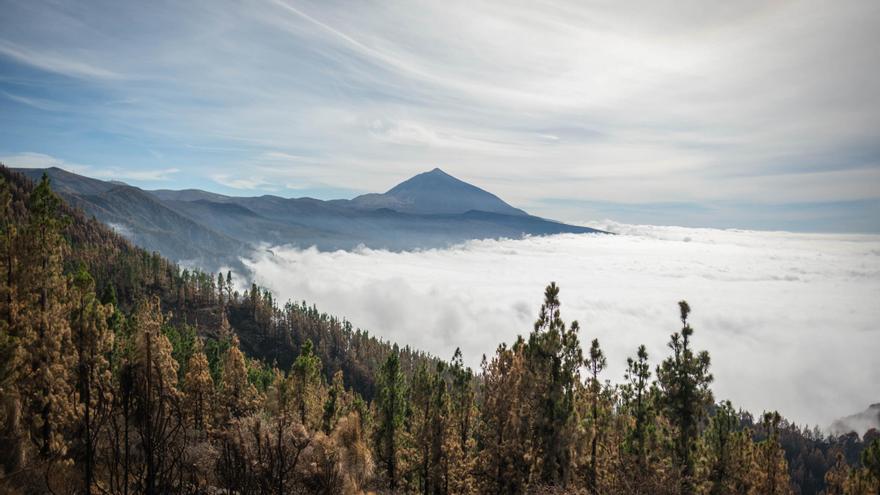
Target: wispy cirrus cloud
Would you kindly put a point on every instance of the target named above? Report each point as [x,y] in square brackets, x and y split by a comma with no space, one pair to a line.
[42,160]
[625,103]
[152,175]
[242,183]
[38,103]
[59,64]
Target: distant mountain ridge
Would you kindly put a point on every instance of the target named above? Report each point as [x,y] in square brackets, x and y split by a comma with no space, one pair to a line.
[429,210]
[188,195]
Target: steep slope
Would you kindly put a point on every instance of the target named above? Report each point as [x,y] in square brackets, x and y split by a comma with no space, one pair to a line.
[65,182]
[155,227]
[270,333]
[435,193]
[145,220]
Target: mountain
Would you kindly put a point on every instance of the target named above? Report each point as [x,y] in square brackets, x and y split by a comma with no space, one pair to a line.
[433,193]
[144,219]
[195,227]
[65,182]
[239,222]
[859,422]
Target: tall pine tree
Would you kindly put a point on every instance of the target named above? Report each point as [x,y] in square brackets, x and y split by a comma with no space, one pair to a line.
[44,332]
[553,357]
[198,388]
[391,402]
[684,380]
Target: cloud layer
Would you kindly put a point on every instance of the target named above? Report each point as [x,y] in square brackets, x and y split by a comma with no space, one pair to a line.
[736,106]
[791,320]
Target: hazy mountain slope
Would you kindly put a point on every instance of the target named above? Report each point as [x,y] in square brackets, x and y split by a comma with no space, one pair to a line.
[187,195]
[393,230]
[430,210]
[145,220]
[156,227]
[239,222]
[67,182]
[346,228]
[435,193]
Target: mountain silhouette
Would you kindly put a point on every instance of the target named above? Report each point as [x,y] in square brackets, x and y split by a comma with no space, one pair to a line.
[436,193]
[430,210]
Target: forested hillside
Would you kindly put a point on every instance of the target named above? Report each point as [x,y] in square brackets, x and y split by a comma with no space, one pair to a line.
[121,372]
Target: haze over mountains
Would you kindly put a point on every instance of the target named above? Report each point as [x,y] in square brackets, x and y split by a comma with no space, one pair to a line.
[432,209]
[859,422]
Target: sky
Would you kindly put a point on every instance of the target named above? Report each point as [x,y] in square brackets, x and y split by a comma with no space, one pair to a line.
[750,114]
[790,320]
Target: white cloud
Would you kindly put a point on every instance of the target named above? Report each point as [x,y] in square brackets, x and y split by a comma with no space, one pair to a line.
[42,160]
[790,319]
[56,63]
[151,175]
[238,182]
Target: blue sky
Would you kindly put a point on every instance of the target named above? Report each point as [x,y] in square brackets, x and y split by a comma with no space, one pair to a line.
[730,114]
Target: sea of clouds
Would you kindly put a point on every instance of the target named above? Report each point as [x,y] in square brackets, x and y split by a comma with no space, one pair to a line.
[792,321]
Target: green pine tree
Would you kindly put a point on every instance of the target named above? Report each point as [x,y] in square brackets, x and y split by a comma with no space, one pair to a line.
[684,380]
[391,401]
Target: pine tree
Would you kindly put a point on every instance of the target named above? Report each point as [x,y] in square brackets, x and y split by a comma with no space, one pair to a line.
[438,475]
[836,478]
[503,437]
[391,404]
[842,479]
[636,396]
[420,400]
[429,427]
[198,387]
[727,453]
[12,354]
[119,463]
[306,376]
[93,341]
[684,380]
[280,441]
[157,402]
[221,288]
[460,444]
[553,357]
[870,458]
[771,469]
[44,334]
[595,363]
[334,404]
[238,396]
[355,459]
